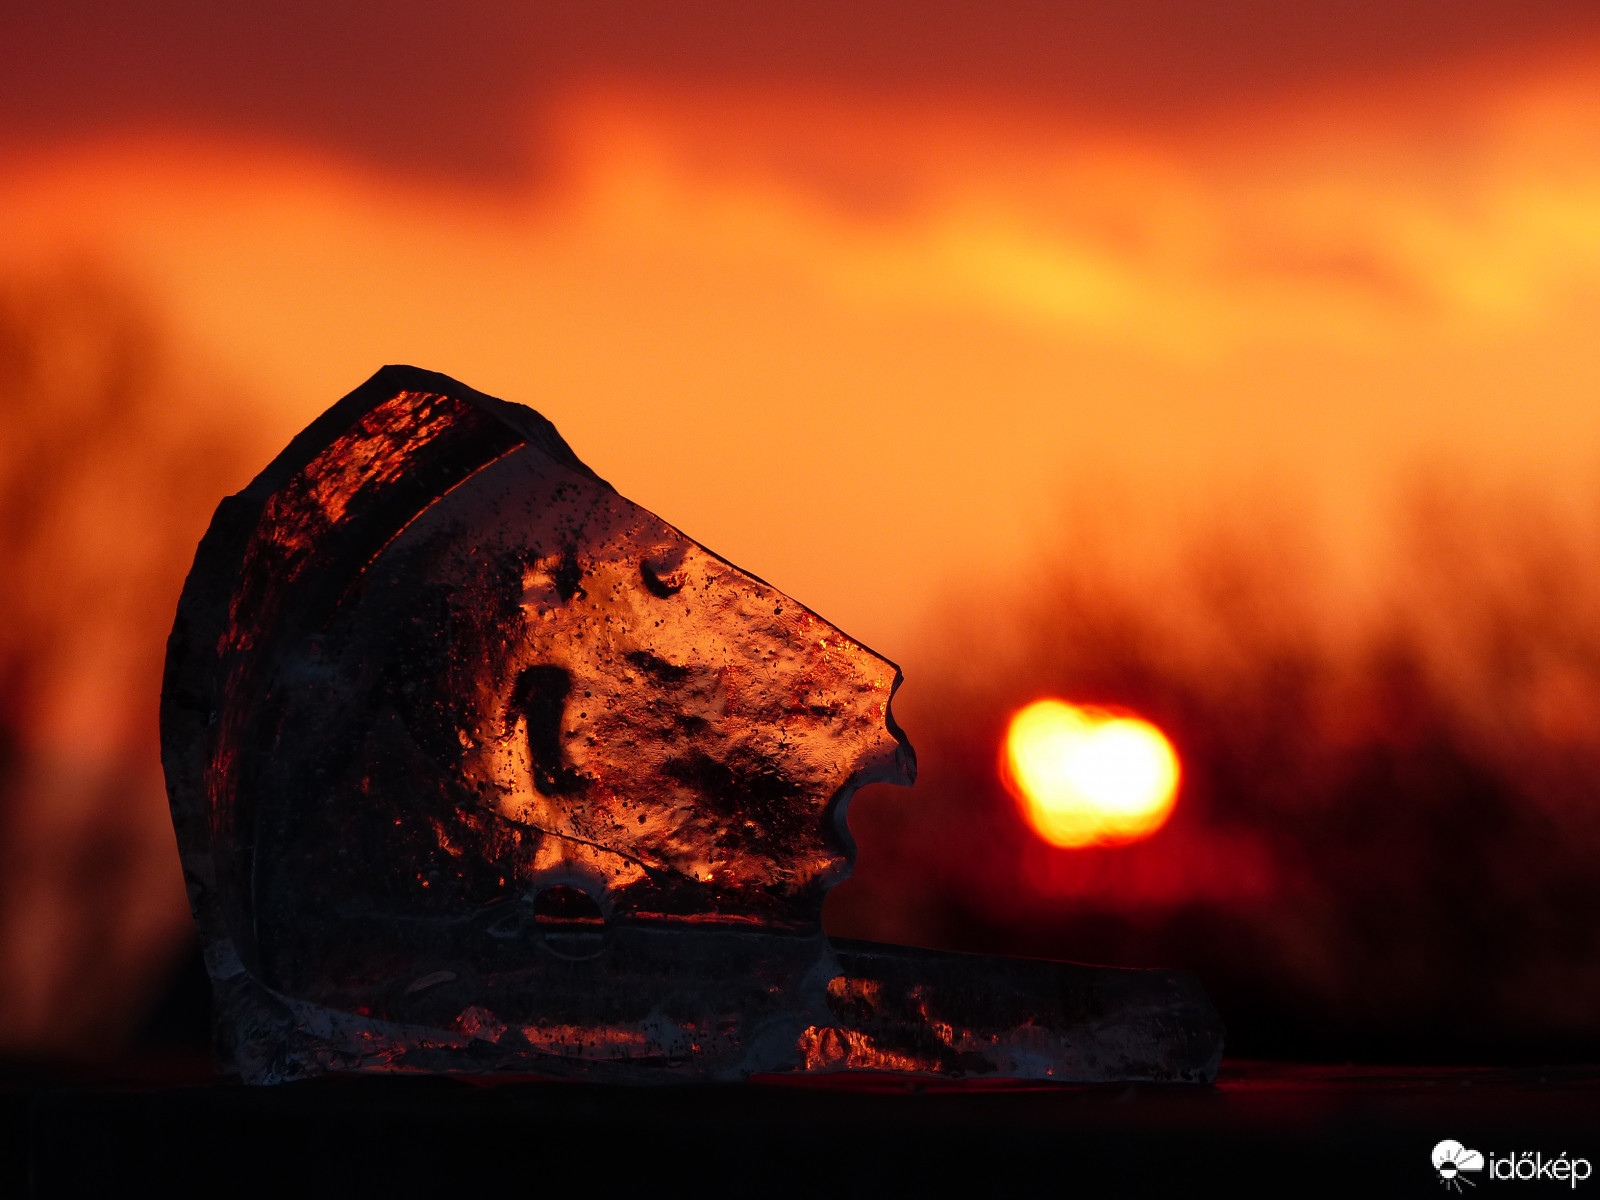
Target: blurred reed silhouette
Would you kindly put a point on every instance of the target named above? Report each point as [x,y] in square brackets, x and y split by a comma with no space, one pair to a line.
[1388,842]
[111,461]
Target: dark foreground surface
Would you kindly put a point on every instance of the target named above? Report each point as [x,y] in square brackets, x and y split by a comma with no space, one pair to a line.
[1264,1128]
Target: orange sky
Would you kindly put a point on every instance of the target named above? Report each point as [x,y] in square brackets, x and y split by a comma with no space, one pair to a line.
[879,349]
[882,299]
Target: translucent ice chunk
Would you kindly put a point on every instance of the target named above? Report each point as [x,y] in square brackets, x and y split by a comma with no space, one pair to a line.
[477,766]
[453,728]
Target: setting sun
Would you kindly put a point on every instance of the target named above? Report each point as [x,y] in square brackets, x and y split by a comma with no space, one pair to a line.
[1085,776]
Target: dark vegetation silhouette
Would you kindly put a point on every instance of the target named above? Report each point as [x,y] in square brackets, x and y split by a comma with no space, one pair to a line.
[110,464]
[1388,841]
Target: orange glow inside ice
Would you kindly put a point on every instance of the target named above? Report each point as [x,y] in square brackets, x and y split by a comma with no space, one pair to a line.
[1086,777]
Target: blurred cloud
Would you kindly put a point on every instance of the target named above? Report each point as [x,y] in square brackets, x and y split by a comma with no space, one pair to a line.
[954,316]
[447,88]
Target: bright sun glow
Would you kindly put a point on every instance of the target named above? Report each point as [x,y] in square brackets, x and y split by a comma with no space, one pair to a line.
[1085,776]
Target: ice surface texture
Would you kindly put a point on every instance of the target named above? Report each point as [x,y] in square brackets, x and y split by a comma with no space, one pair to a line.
[477,766]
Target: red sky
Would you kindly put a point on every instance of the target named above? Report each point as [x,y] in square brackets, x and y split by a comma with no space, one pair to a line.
[446,87]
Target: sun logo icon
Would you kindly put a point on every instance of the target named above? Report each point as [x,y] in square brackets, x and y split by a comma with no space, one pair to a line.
[1451,1158]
